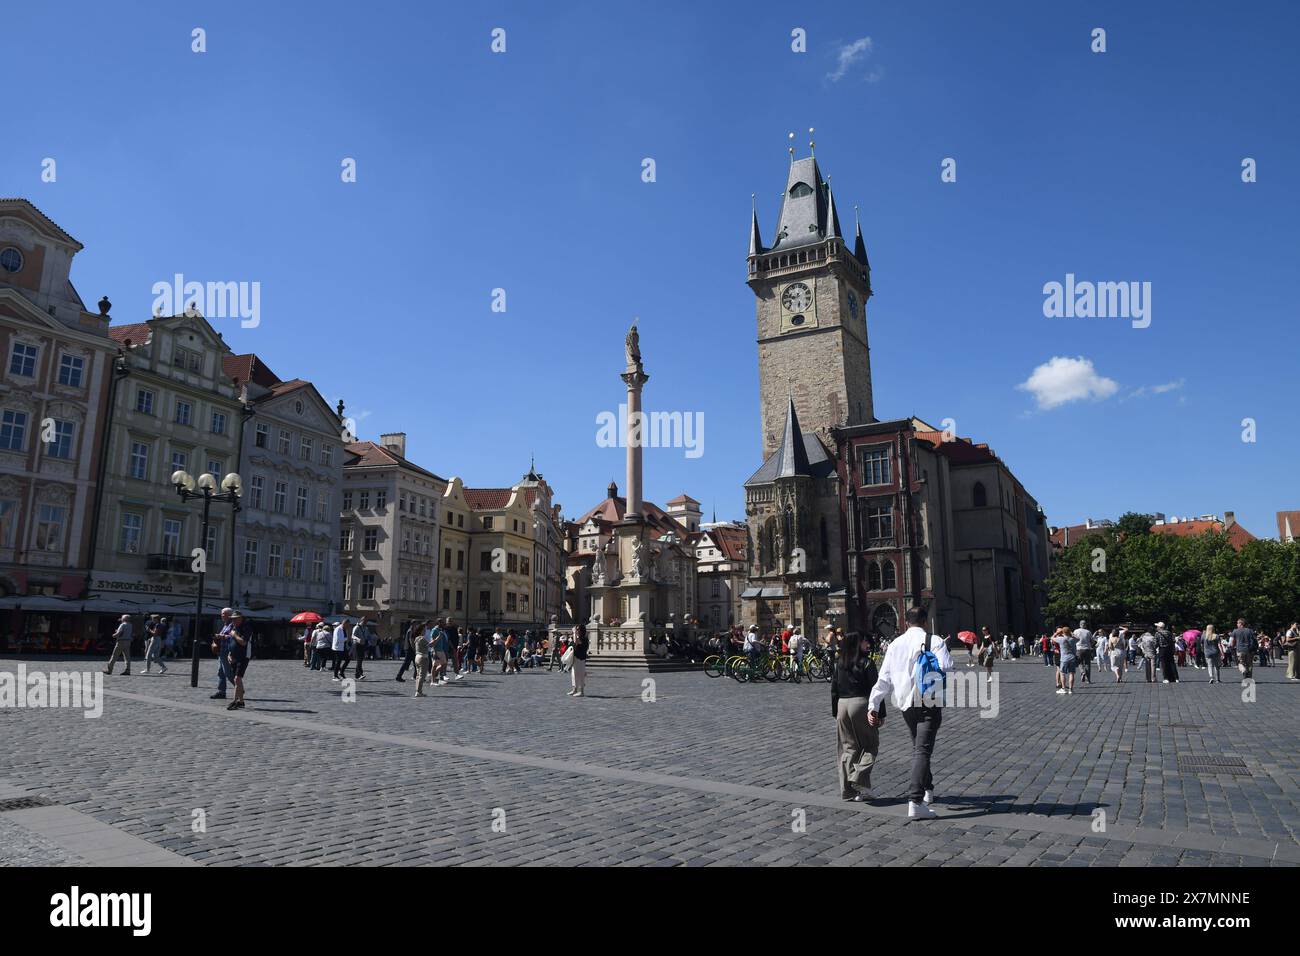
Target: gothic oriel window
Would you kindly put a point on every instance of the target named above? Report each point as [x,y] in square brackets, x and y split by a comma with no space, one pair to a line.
[980,495]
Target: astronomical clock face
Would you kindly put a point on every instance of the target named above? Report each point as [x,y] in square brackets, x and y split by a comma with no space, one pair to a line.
[797,297]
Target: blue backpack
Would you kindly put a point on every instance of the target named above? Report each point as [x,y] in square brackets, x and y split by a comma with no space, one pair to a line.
[928,672]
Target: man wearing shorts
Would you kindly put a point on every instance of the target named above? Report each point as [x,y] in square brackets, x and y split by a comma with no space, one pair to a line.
[1069,661]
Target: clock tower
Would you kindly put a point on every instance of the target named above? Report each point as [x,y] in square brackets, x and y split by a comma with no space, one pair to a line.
[811,292]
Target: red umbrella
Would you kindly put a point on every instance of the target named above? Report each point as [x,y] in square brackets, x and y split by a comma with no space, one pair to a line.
[967,637]
[306,617]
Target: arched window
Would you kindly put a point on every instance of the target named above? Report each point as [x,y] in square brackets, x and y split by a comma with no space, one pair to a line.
[884,620]
[799,190]
[888,581]
[981,497]
[873,576]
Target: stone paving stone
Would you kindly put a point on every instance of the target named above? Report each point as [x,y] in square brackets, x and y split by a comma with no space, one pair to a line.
[307,793]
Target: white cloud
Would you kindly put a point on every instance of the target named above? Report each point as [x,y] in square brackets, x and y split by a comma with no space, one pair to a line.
[1156,389]
[849,54]
[1061,380]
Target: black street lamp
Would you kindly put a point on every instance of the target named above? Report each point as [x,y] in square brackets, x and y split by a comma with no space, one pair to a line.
[232,488]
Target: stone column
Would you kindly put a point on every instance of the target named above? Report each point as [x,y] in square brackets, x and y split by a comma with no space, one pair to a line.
[635,378]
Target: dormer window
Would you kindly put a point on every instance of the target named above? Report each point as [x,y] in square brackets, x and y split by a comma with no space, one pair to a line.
[799,190]
[11,260]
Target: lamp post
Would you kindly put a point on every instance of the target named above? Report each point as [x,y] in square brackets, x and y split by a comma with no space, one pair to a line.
[232,488]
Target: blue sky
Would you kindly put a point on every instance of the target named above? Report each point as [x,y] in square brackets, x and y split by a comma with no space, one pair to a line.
[522,171]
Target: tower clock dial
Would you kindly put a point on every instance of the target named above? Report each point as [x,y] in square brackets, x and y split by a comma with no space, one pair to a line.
[797,297]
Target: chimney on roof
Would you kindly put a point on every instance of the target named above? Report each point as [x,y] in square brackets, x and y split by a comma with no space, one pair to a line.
[1229,519]
[394,442]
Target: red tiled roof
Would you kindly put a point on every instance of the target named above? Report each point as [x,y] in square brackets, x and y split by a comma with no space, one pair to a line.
[613,510]
[249,366]
[960,450]
[1063,537]
[369,453]
[683,499]
[137,332]
[731,542]
[1237,535]
[494,499]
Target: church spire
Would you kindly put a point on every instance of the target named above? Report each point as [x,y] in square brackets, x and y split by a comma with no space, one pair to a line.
[859,247]
[832,220]
[793,460]
[755,238]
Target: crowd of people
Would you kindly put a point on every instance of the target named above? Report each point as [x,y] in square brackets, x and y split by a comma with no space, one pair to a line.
[1156,650]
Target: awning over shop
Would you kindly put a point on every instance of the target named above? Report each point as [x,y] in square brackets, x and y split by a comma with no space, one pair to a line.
[42,603]
[751,593]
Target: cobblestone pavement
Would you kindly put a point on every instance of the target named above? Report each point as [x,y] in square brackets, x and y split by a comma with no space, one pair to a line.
[21,847]
[502,769]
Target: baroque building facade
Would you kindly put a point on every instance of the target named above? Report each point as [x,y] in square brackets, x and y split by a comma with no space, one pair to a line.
[286,558]
[54,387]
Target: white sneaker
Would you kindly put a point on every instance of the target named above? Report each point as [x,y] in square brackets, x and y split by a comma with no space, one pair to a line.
[460,677]
[570,693]
[919,811]
[1060,690]
[928,797]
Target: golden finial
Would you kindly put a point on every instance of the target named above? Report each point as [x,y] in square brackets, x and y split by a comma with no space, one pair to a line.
[812,146]
[791,147]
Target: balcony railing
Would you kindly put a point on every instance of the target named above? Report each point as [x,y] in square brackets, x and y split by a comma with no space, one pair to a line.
[167,562]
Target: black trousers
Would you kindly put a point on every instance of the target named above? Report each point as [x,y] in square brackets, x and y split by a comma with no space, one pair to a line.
[340,663]
[923,723]
[410,659]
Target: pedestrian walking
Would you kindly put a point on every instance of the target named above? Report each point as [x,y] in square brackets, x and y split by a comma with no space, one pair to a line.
[1291,647]
[419,639]
[320,651]
[121,645]
[1148,647]
[579,672]
[1083,642]
[360,641]
[1245,645]
[1064,640]
[237,642]
[1210,644]
[1118,653]
[913,650]
[1165,646]
[858,738]
[155,634]
[987,656]
[408,648]
[220,651]
[339,645]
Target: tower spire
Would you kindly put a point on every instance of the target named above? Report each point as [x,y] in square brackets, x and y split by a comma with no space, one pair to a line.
[755,239]
[832,219]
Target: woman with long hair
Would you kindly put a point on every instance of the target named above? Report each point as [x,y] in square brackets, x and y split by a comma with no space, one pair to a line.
[1210,644]
[579,672]
[859,742]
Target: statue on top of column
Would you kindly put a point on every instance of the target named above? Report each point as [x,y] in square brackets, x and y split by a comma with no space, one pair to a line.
[633,344]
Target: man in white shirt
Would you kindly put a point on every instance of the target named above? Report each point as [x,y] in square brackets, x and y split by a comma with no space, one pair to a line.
[121,645]
[359,635]
[922,715]
[340,647]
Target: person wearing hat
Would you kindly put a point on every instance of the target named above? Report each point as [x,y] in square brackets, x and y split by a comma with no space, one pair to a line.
[237,657]
[121,645]
[155,631]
